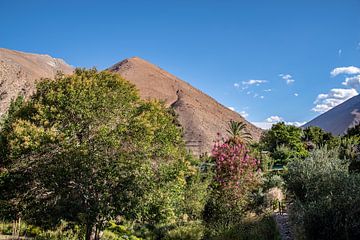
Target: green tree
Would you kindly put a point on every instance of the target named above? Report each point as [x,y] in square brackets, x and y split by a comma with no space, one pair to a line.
[85,148]
[284,142]
[238,132]
[318,137]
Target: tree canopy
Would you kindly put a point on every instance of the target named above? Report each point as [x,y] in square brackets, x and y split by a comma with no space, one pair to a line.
[85,148]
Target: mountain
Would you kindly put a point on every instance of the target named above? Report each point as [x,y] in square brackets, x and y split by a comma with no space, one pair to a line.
[338,119]
[19,71]
[201,116]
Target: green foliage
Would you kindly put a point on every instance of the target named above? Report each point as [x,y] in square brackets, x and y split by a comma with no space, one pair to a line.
[318,137]
[263,227]
[238,132]
[188,231]
[326,197]
[88,149]
[353,131]
[284,142]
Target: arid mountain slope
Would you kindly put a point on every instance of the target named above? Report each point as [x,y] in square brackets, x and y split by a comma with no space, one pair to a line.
[340,118]
[19,71]
[200,115]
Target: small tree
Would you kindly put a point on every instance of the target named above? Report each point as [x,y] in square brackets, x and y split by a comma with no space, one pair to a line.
[238,132]
[236,176]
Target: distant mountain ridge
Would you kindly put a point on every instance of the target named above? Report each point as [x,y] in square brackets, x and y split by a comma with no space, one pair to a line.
[338,119]
[19,71]
[201,116]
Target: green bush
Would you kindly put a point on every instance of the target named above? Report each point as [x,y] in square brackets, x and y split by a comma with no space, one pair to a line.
[189,231]
[326,197]
[263,228]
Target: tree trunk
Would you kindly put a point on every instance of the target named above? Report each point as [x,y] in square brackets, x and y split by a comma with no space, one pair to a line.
[89,232]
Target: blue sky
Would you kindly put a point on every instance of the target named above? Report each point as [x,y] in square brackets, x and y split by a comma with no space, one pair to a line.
[269,60]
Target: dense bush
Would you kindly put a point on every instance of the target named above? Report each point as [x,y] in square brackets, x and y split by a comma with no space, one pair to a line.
[326,197]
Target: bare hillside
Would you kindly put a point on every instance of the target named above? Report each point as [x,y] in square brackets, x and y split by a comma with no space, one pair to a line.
[200,115]
[19,71]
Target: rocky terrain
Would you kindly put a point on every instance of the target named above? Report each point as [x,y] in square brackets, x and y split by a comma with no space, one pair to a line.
[338,119]
[201,116]
[19,72]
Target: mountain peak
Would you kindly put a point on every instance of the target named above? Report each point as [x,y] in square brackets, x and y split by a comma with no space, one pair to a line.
[201,116]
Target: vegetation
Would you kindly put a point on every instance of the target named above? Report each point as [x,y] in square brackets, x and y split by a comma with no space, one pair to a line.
[85,158]
[284,143]
[326,197]
[85,149]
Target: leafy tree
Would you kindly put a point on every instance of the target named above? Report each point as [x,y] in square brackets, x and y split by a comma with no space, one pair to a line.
[317,136]
[238,132]
[85,148]
[284,142]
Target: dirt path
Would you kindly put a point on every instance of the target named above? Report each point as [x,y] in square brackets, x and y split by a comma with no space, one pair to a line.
[282,222]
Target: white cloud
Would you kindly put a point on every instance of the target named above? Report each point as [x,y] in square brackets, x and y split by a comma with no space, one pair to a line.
[353,82]
[345,70]
[336,96]
[339,52]
[268,90]
[263,125]
[287,77]
[256,82]
[274,119]
[244,114]
[296,94]
[236,85]
[262,97]
[296,124]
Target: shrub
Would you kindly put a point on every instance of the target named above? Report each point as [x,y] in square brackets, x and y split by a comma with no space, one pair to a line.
[236,177]
[326,197]
[188,231]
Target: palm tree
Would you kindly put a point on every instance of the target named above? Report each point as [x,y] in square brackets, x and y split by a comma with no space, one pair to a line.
[238,132]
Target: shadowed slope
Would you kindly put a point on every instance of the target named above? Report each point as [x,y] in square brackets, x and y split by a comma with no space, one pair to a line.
[338,119]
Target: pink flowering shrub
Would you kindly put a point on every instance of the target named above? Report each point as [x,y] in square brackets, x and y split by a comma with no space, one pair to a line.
[235,170]
[236,176]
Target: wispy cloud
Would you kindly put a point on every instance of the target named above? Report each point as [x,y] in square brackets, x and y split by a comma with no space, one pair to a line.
[242,113]
[296,94]
[268,90]
[345,70]
[287,77]
[339,52]
[336,96]
[256,82]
